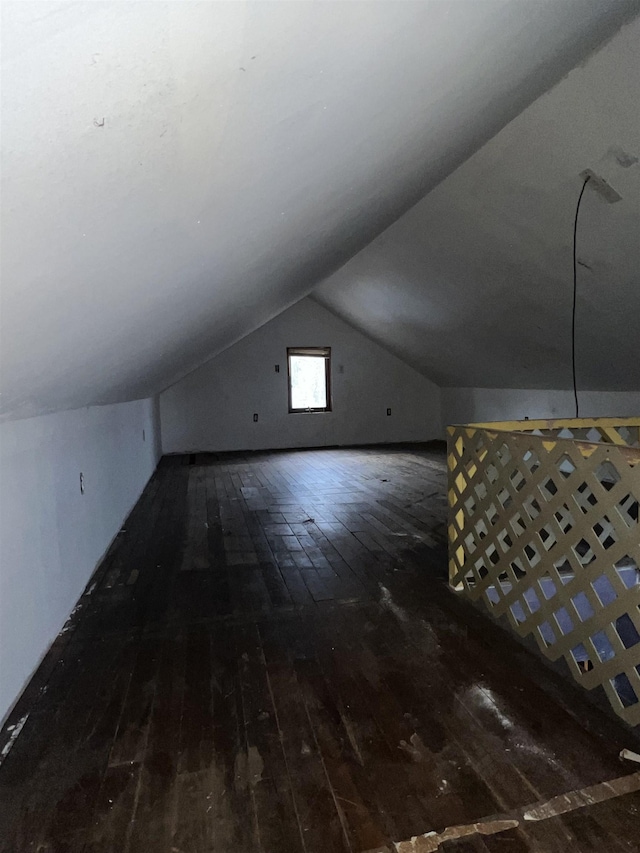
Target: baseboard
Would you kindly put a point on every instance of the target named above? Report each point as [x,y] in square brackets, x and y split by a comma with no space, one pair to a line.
[432,443]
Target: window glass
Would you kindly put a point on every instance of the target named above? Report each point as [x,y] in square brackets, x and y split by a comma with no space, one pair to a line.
[309,379]
[308,382]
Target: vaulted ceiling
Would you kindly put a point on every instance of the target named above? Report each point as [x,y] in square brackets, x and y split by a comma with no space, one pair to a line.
[176,174]
[474,285]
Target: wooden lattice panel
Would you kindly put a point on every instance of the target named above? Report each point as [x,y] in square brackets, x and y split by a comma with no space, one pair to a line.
[623,432]
[545,530]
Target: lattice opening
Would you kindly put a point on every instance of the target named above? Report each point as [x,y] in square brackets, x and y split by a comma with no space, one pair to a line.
[548,489]
[583,552]
[505,541]
[584,498]
[627,570]
[605,533]
[481,491]
[532,600]
[564,571]
[630,437]
[517,525]
[518,612]
[625,691]
[470,543]
[547,633]
[627,631]
[566,466]
[563,621]
[581,658]
[582,606]
[492,473]
[518,480]
[481,529]
[478,442]
[493,594]
[547,586]
[564,518]
[505,498]
[532,508]
[470,505]
[481,571]
[493,556]
[547,537]
[517,568]
[504,455]
[602,646]
[492,515]
[628,510]
[471,578]
[603,588]
[607,475]
[532,554]
[532,461]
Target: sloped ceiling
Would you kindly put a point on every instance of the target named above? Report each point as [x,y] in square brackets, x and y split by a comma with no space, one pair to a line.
[473,286]
[176,174]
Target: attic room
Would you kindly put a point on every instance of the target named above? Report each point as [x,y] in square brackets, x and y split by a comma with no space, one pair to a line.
[320,426]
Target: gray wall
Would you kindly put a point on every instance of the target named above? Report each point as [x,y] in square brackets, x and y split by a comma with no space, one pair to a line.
[51,535]
[212,408]
[473,286]
[469,405]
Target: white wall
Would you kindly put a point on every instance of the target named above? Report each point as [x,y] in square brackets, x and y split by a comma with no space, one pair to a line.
[212,408]
[51,535]
[477,405]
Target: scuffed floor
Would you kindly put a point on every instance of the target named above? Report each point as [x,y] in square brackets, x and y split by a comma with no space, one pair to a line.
[269,659]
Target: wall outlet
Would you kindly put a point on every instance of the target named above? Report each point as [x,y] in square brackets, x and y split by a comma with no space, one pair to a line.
[255,417]
[144,436]
[277,368]
[81,483]
[388,412]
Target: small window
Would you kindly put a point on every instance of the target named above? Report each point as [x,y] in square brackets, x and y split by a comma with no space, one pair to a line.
[309,379]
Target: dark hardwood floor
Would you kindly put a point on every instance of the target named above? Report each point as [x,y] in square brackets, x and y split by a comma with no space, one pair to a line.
[269,659]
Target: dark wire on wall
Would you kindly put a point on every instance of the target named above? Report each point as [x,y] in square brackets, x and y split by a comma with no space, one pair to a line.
[575,292]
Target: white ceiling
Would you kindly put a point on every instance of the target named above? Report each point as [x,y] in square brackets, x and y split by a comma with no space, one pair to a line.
[473,286]
[176,174]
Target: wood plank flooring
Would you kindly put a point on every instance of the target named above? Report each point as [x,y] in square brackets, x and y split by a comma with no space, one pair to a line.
[269,659]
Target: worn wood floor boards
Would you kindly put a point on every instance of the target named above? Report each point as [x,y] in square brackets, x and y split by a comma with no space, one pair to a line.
[269,659]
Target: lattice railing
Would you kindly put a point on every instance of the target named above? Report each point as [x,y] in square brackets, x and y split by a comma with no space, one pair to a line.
[623,432]
[543,527]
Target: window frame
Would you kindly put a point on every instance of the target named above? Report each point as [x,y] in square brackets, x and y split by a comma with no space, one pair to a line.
[311,352]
